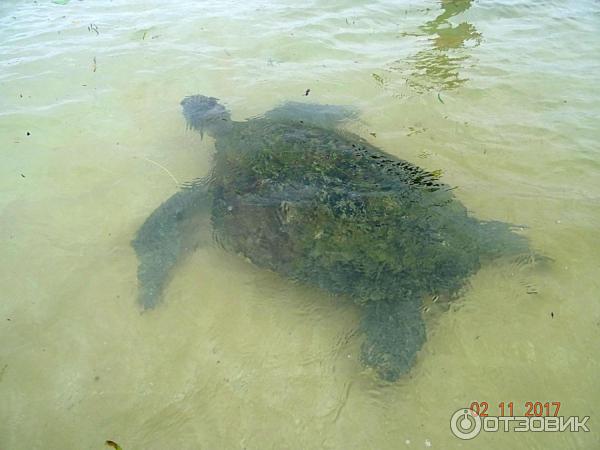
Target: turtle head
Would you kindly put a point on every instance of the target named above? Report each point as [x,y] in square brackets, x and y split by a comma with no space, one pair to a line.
[205,114]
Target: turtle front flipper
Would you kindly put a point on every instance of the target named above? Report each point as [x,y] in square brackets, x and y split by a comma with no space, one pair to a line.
[323,116]
[169,232]
[394,333]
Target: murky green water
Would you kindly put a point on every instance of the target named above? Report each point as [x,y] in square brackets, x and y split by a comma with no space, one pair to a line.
[502,96]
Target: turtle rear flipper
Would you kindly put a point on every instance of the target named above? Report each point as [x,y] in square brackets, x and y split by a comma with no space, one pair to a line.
[169,233]
[498,239]
[394,333]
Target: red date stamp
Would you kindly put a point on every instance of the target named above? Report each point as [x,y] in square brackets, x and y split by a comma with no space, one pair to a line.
[527,416]
[511,409]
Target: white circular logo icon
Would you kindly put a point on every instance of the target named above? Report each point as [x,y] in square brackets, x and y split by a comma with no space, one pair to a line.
[465,424]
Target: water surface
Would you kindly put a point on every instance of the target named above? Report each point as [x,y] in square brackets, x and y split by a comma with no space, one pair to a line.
[501,96]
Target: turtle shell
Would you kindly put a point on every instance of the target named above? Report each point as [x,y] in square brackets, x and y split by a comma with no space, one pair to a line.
[327,207]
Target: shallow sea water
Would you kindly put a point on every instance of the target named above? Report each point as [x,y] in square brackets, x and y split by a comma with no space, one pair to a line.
[502,96]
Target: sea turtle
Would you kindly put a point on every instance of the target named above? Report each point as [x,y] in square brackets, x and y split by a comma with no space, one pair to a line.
[319,205]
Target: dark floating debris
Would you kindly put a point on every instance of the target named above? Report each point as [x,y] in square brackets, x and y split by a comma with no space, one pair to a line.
[378,78]
[93,27]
